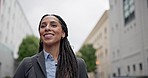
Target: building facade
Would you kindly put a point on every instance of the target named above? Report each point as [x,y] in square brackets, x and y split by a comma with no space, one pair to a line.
[13,28]
[99,38]
[128,37]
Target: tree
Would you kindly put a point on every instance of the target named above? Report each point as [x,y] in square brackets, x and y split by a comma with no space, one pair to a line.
[28,47]
[87,52]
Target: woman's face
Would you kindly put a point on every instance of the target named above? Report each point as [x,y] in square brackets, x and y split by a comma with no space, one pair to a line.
[51,30]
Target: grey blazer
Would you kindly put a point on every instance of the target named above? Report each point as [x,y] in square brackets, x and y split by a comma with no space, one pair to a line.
[34,67]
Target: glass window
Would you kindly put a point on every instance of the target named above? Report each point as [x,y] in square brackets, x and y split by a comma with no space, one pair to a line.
[2,18]
[0,5]
[106,51]
[116,26]
[147,3]
[0,35]
[113,54]
[119,71]
[128,10]
[114,74]
[115,1]
[140,66]
[118,52]
[105,30]
[134,67]
[6,39]
[0,69]
[128,68]
[9,10]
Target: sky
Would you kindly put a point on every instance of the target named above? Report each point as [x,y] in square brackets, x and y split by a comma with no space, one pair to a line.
[80,16]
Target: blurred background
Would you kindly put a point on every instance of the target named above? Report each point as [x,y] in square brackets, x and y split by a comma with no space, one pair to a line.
[110,35]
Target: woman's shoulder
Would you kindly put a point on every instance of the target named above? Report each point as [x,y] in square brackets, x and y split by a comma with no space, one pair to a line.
[27,61]
[82,68]
[80,61]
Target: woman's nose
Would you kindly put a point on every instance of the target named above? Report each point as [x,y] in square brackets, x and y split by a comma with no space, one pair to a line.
[47,27]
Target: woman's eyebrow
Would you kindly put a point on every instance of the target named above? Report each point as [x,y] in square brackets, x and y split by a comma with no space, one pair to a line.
[53,22]
[43,23]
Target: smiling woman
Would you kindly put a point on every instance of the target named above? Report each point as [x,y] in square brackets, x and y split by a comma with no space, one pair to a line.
[56,58]
[51,31]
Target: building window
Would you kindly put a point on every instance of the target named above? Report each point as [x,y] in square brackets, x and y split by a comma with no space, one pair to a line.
[114,74]
[0,35]
[2,18]
[111,6]
[106,51]
[140,66]
[134,67]
[114,55]
[105,30]
[128,68]
[112,29]
[119,72]
[0,69]
[115,2]
[9,10]
[0,5]
[13,17]
[116,26]
[7,24]
[6,39]
[118,52]
[147,3]
[128,11]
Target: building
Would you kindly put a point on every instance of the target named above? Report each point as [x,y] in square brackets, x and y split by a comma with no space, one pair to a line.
[6,61]
[13,28]
[99,38]
[128,37]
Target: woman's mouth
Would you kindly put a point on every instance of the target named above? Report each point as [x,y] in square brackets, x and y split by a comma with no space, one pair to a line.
[48,35]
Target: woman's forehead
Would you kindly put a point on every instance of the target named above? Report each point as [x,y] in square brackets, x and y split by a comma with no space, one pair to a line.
[50,18]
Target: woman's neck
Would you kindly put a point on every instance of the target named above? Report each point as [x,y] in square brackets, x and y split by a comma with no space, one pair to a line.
[53,50]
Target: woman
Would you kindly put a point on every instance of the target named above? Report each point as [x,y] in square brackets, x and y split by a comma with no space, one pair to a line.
[56,58]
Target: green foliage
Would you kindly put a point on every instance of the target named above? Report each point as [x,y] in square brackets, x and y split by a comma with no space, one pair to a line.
[28,47]
[87,52]
[7,77]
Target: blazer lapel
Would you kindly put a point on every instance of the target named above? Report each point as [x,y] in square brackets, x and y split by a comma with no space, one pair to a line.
[41,62]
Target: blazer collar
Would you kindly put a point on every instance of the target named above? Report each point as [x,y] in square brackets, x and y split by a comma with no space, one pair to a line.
[41,62]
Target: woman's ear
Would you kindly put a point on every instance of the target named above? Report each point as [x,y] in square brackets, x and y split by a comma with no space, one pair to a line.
[63,34]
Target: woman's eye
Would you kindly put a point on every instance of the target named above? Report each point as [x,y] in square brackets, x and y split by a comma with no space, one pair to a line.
[54,25]
[42,26]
